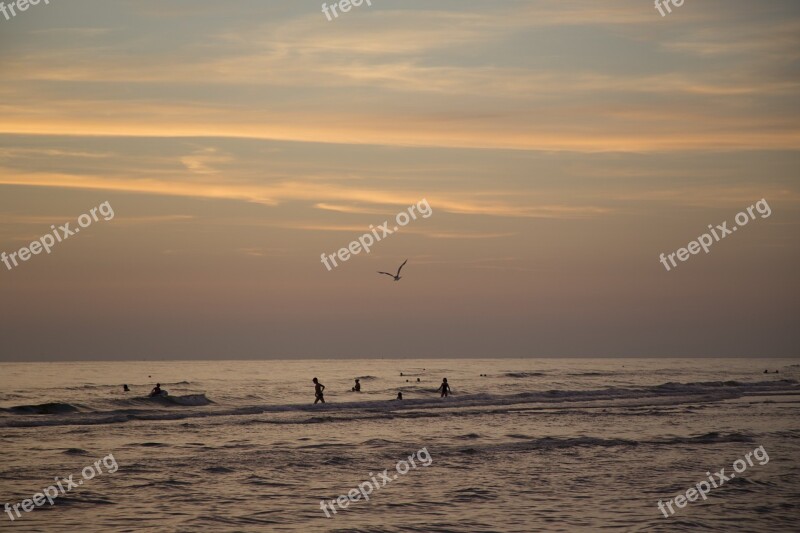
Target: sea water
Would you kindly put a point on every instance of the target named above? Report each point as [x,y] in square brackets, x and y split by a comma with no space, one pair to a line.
[520,445]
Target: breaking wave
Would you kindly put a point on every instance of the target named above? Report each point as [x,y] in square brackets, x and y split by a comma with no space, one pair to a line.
[666,395]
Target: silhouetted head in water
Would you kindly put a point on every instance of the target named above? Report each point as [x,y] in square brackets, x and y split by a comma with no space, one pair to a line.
[399,395]
[125,388]
[417,379]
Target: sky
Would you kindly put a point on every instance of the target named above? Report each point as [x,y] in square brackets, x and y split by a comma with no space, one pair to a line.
[562,146]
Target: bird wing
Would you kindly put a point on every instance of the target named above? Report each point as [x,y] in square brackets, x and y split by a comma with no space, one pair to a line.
[401,267]
[386,273]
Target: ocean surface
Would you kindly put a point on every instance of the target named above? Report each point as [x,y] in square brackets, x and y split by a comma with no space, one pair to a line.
[520,446]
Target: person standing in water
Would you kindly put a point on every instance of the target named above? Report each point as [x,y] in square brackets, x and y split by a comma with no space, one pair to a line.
[445,388]
[318,389]
[357,387]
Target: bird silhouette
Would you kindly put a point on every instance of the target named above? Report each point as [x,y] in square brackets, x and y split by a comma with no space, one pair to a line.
[396,276]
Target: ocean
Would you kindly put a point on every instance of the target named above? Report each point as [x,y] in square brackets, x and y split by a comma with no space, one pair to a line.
[521,445]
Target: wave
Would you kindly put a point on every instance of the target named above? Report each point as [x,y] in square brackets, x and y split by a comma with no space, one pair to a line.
[525,443]
[674,385]
[75,451]
[377,442]
[709,438]
[626,399]
[119,386]
[219,470]
[523,374]
[52,408]
[470,495]
[188,400]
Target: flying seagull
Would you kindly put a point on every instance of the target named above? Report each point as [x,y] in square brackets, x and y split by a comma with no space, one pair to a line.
[396,276]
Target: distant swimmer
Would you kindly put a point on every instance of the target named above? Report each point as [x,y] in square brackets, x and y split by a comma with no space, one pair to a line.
[357,387]
[417,380]
[445,388]
[125,388]
[399,395]
[766,371]
[395,276]
[318,389]
[157,391]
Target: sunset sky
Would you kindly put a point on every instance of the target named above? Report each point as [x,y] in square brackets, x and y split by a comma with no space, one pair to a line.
[563,145]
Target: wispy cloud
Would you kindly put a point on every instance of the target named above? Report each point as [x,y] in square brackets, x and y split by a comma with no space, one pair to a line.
[332,84]
[40,220]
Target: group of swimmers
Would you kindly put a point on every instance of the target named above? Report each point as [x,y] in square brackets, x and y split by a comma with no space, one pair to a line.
[319,389]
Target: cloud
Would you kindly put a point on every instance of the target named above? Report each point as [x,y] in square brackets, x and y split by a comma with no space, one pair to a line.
[435,65]
[201,161]
[351,209]
[42,220]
